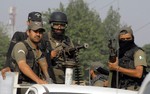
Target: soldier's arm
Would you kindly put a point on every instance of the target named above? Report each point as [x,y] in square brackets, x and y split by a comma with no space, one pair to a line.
[137,72]
[18,36]
[43,64]
[139,61]
[19,54]
[3,72]
[44,67]
[26,70]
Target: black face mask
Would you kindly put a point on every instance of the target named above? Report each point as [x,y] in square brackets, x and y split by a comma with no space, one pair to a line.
[125,45]
[58,36]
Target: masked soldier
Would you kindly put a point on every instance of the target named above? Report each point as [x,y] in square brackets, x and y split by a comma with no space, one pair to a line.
[130,64]
[56,41]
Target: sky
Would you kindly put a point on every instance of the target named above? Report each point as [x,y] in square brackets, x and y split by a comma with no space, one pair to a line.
[133,12]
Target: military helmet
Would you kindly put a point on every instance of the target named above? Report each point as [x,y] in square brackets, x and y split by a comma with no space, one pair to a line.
[58,17]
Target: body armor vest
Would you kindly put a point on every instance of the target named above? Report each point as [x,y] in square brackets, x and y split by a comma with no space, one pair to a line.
[59,45]
[127,61]
[47,45]
[31,61]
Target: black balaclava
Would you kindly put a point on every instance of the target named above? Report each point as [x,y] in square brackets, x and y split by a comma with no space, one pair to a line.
[56,35]
[125,45]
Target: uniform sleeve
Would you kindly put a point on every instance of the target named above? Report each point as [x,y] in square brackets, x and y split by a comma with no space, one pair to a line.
[16,38]
[19,52]
[13,41]
[140,58]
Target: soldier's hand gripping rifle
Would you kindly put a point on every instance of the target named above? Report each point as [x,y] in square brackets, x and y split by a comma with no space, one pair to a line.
[112,58]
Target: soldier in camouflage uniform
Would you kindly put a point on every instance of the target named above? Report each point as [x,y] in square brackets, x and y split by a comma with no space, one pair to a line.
[131,62]
[17,37]
[56,40]
[28,59]
[21,52]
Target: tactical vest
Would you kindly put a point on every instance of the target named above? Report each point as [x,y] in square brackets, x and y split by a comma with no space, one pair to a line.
[57,45]
[127,61]
[31,61]
[47,45]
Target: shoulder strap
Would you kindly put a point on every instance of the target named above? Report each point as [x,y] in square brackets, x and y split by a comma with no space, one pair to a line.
[27,45]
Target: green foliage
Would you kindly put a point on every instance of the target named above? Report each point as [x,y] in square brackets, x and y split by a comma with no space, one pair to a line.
[110,27]
[85,26]
[4,41]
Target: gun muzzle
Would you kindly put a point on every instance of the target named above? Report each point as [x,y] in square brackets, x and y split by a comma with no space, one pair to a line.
[86,45]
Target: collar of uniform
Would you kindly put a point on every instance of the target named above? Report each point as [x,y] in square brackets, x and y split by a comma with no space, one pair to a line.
[30,44]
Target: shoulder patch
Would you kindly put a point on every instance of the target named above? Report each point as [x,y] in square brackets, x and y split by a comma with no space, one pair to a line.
[21,51]
[141,57]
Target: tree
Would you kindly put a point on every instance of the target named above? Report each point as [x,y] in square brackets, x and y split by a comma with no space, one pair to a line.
[4,41]
[85,26]
[110,27]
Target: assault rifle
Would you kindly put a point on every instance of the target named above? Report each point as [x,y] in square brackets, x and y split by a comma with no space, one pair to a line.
[99,77]
[112,58]
[112,45]
[102,74]
[112,50]
[70,61]
[102,71]
[71,53]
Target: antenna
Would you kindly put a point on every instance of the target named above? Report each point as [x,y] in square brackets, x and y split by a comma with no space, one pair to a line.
[12,18]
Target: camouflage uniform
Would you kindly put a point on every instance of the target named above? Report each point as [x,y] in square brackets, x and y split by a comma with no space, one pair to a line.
[58,69]
[20,51]
[20,36]
[55,40]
